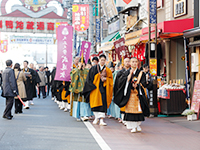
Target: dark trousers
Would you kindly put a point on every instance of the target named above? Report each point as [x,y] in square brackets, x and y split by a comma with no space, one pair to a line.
[48,89]
[18,106]
[42,89]
[9,105]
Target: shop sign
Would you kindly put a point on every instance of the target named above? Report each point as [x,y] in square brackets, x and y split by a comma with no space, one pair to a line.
[133,34]
[14,24]
[4,46]
[114,56]
[130,21]
[98,30]
[85,50]
[121,49]
[196,96]
[30,40]
[153,67]
[180,8]
[114,27]
[64,53]
[80,17]
[109,8]
[153,11]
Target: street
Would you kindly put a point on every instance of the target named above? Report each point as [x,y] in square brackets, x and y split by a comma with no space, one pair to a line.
[45,127]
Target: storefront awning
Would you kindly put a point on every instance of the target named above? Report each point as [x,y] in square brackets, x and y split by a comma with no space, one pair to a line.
[194,44]
[111,37]
[107,46]
[169,29]
[132,41]
[192,32]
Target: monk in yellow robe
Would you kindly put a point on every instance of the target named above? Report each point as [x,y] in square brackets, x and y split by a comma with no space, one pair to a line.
[98,89]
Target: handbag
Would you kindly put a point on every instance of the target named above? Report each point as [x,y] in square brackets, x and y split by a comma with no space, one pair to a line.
[103,74]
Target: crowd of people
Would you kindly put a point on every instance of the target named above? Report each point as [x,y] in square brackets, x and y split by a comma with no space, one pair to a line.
[21,86]
[95,90]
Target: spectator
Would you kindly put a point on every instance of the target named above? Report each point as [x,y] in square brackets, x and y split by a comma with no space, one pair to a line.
[43,82]
[20,79]
[48,74]
[9,89]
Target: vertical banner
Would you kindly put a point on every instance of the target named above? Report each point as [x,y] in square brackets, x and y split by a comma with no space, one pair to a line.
[80,16]
[58,24]
[121,49]
[152,11]
[153,67]
[4,46]
[114,59]
[98,30]
[85,50]
[64,56]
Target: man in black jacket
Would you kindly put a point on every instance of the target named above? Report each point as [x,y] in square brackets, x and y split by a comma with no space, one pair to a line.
[9,89]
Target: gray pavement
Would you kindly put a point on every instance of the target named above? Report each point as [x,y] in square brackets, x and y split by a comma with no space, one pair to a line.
[44,127]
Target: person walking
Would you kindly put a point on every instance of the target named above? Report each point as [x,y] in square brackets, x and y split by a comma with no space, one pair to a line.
[48,74]
[29,85]
[20,79]
[43,82]
[98,89]
[9,89]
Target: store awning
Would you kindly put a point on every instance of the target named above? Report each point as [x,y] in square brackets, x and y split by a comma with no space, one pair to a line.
[194,44]
[192,32]
[132,41]
[107,46]
[111,37]
[169,29]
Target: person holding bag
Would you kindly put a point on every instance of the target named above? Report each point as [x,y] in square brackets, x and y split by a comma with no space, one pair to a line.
[20,79]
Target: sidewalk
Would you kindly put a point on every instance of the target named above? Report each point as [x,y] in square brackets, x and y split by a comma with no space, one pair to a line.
[157,134]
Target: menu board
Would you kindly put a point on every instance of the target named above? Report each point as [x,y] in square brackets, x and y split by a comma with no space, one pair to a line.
[196,96]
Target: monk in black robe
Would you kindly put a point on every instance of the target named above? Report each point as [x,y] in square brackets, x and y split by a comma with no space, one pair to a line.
[126,66]
[98,89]
[29,84]
[132,95]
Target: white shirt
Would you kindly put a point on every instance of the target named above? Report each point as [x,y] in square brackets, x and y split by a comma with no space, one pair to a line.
[101,67]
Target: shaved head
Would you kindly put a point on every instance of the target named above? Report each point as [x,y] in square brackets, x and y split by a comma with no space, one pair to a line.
[127,63]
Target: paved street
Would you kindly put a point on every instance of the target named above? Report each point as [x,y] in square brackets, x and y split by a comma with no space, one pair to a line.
[45,127]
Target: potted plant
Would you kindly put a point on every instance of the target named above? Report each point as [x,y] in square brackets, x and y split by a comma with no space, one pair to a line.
[191,116]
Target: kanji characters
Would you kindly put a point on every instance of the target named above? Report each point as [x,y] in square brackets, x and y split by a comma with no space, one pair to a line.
[9,24]
[19,25]
[1,24]
[40,25]
[30,25]
[50,26]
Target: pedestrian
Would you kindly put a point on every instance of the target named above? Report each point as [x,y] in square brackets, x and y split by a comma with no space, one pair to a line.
[9,89]
[98,89]
[95,61]
[123,68]
[53,88]
[76,60]
[0,79]
[35,82]
[132,96]
[29,84]
[43,82]
[20,79]
[81,109]
[48,74]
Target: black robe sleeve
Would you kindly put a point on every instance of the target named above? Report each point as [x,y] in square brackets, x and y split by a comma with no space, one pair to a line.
[89,86]
[120,82]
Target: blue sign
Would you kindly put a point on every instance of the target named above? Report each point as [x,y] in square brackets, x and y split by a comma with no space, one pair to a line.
[98,30]
[153,11]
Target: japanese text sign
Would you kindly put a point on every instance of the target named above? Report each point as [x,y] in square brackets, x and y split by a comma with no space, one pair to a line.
[80,17]
[196,96]
[85,50]
[121,49]
[152,11]
[153,67]
[64,56]
[4,46]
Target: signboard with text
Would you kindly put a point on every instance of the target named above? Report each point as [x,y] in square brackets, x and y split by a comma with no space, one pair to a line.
[80,17]
[64,53]
[4,46]
[153,67]
[180,8]
[12,24]
[153,11]
[196,96]
[85,50]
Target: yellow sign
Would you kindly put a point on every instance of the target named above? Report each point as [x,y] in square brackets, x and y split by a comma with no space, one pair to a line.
[75,8]
[153,67]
